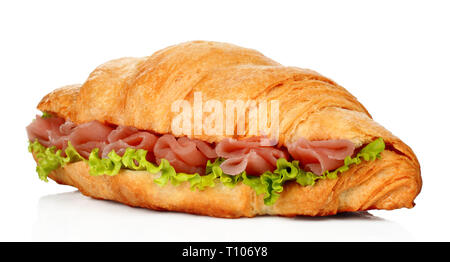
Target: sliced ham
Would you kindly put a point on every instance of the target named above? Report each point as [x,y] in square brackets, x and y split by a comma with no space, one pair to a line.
[41,128]
[184,154]
[55,131]
[206,149]
[57,139]
[254,155]
[320,156]
[124,137]
[67,128]
[90,135]
[256,164]
[85,148]
[121,132]
[90,131]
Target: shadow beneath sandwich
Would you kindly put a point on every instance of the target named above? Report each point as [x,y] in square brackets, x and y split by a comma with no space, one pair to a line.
[73,217]
[360,215]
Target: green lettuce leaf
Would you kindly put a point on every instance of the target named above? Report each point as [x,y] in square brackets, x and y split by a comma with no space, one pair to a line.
[50,159]
[271,184]
[104,166]
[46,115]
[135,159]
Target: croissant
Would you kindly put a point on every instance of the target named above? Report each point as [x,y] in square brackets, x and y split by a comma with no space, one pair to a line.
[135,97]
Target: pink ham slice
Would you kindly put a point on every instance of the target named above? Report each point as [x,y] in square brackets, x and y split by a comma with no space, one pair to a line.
[124,137]
[44,129]
[55,131]
[184,154]
[90,135]
[254,155]
[320,156]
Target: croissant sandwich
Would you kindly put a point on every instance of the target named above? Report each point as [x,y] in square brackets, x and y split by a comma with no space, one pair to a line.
[215,129]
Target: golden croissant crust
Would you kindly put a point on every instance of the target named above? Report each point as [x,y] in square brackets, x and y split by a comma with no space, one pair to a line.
[388,183]
[139,92]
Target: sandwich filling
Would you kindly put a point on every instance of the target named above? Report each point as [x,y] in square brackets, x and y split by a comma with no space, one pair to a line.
[254,161]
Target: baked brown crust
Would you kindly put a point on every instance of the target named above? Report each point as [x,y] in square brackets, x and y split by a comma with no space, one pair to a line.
[387,183]
[139,92]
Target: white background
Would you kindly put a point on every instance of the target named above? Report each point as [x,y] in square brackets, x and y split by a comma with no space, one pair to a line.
[392,55]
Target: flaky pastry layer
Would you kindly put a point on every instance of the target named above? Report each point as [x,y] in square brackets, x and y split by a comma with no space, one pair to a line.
[386,183]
